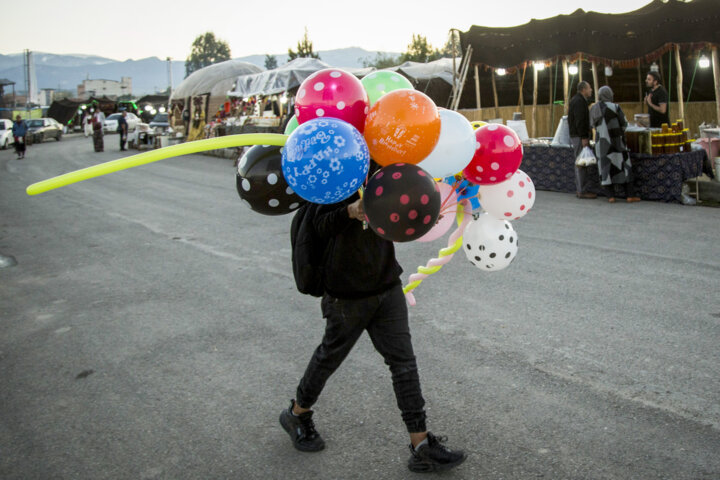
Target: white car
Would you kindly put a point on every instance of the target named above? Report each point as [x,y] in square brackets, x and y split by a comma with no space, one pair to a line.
[6,136]
[111,122]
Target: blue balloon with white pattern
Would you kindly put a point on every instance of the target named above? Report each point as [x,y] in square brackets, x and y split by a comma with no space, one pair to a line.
[325,160]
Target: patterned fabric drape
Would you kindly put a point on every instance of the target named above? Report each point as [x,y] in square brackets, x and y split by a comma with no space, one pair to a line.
[657,177]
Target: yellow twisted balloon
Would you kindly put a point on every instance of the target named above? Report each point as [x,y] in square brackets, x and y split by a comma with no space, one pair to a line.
[444,255]
[228,141]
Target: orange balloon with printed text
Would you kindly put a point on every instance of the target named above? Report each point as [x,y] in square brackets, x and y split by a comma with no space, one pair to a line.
[403,126]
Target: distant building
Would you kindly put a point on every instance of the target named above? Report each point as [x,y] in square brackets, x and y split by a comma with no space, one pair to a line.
[47,95]
[99,87]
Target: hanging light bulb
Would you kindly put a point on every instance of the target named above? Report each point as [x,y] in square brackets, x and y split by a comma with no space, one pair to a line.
[573,69]
[704,62]
[608,71]
[539,66]
[654,67]
[500,72]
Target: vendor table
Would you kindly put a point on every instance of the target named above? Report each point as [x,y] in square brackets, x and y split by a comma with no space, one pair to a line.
[657,177]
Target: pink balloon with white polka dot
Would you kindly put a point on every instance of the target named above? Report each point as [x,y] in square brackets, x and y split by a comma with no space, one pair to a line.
[332,92]
[509,200]
[498,154]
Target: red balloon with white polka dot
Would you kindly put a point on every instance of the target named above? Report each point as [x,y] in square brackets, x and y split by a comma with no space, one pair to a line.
[401,202]
[332,92]
[498,154]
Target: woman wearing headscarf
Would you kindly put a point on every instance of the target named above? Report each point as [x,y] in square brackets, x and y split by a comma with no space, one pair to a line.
[610,149]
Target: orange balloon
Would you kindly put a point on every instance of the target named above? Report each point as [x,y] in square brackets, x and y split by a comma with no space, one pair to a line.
[402,126]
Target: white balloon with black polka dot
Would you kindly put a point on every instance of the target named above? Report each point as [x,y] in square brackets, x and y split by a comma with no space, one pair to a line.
[489,243]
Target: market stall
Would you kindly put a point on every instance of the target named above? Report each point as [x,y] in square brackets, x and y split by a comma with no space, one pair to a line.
[204,92]
[658,177]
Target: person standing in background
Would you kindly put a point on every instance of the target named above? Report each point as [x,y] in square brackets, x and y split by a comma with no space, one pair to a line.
[657,101]
[123,130]
[612,154]
[19,130]
[98,121]
[579,124]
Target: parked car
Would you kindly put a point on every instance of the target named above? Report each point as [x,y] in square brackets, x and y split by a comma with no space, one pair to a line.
[160,123]
[41,128]
[111,122]
[6,136]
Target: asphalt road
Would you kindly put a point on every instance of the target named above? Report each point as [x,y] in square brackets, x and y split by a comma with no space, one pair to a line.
[151,330]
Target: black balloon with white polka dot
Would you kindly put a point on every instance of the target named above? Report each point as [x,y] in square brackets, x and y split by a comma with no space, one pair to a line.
[261,184]
[489,243]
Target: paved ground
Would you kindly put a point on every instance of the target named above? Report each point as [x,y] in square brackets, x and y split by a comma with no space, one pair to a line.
[151,330]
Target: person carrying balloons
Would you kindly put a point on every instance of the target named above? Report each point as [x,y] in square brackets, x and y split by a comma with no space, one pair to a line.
[325,161]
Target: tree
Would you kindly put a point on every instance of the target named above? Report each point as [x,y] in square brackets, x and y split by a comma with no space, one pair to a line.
[270,62]
[206,50]
[420,51]
[381,61]
[304,49]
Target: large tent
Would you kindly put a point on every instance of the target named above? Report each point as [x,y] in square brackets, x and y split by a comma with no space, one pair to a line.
[669,36]
[622,39]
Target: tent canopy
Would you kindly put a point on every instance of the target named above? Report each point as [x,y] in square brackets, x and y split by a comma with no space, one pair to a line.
[284,78]
[292,74]
[441,69]
[621,39]
[215,79]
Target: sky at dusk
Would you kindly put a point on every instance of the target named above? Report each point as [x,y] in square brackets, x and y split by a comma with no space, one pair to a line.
[138,29]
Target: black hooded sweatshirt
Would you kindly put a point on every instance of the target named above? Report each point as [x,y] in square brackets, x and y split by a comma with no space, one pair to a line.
[358,263]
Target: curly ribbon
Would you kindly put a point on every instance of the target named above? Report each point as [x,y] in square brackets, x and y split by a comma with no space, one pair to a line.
[228,141]
[444,255]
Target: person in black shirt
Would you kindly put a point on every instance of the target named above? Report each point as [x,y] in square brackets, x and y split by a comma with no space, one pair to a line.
[579,124]
[657,101]
[363,292]
[122,129]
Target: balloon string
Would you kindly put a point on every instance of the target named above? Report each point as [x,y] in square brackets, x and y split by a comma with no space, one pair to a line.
[444,255]
[227,141]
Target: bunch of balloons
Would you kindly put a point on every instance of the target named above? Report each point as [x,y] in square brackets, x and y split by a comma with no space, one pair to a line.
[432,164]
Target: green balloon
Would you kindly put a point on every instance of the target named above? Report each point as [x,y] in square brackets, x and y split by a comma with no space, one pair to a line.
[291,125]
[379,83]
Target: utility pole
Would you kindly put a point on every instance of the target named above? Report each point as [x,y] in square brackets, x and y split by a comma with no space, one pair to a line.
[170,82]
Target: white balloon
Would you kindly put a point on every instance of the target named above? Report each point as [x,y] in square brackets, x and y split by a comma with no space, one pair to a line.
[509,200]
[490,244]
[455,147]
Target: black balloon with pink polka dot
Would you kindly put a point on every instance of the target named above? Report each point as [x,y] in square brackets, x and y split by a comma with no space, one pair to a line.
[401,202]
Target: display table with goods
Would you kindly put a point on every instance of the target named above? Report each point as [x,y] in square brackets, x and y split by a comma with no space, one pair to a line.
[657,177]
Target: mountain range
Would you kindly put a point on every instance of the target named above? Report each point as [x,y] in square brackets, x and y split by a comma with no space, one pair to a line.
[149,75]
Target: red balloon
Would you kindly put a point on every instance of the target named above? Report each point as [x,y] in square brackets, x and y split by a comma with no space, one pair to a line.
[498,155]
[332,92]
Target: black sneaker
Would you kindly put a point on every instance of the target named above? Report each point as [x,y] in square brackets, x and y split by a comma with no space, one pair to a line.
[434,456]
[302,430]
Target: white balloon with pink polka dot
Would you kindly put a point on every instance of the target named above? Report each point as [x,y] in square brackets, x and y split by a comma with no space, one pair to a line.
[509,200]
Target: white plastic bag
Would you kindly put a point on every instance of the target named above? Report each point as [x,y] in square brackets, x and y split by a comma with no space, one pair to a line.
[586,157]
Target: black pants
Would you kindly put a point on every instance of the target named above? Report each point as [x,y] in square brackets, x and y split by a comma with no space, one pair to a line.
[123,140]
[385,317]
[616,190]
